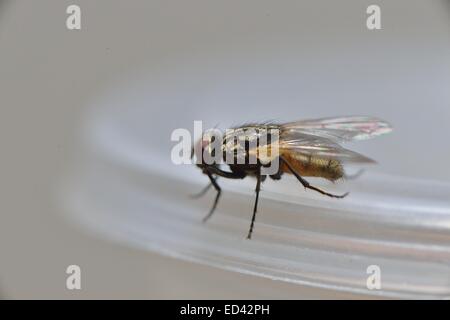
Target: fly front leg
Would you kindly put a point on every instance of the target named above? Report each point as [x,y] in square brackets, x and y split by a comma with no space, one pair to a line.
[209,171]
[216,200]
[225,174]
[203,191]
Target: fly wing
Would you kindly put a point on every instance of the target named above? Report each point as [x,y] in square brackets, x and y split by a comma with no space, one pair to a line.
[311,145]
[339,129]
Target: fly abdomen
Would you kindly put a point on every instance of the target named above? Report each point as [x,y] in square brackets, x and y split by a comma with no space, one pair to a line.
[310,166]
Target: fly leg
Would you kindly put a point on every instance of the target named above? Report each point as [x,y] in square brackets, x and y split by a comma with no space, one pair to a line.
[203,191]
[306,183]
[226,174]
[255,208]
[216,200]
[217,171]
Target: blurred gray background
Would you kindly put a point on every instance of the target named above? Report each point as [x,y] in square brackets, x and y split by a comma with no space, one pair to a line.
[48,75]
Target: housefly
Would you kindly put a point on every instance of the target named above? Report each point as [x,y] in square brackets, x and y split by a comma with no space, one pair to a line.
[306,148]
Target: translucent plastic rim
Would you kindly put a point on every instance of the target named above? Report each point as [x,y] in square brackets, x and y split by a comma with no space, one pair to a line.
[400,224]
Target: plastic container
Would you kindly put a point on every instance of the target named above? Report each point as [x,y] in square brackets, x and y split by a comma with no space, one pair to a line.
[126,188]
[287,62]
